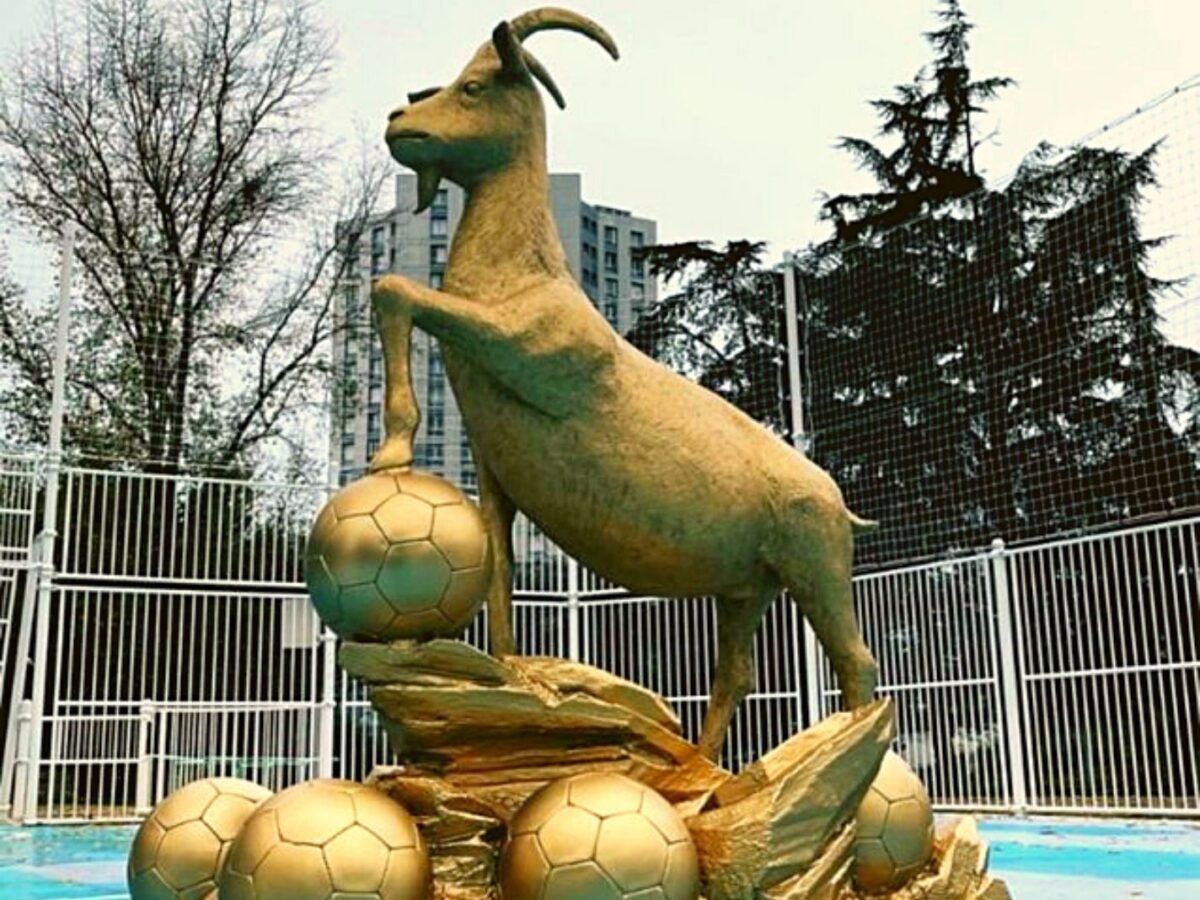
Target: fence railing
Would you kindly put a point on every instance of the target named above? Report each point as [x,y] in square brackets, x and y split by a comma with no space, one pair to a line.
[1057,677]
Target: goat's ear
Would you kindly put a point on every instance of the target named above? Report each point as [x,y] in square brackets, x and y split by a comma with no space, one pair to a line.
[508,48]
[418,96]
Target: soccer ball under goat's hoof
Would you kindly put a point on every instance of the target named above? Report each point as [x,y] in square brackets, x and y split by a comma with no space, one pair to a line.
[398,554]
[327,839]
[598,836]
[178,851]
[894,828]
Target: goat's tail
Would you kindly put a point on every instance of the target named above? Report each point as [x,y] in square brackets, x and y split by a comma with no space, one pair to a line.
[859,524]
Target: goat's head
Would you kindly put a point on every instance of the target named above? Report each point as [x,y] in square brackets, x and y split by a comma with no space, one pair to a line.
[480,122]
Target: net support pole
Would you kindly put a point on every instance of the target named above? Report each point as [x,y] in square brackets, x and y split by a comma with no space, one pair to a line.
[1006,631]
[808,688]
[573,610]
[327,718]
[27,806]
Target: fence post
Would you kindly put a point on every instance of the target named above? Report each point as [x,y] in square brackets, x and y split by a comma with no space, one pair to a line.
[573,610]
[326,721]
[1006,639]
[143,799]
[24,731]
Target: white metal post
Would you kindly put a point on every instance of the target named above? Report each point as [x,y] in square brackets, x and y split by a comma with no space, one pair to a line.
[11,795]
[325,725]
[810,676]
[26,805]
[1008,675]
[792,339]
[21,748]
[573,609]
[143,799]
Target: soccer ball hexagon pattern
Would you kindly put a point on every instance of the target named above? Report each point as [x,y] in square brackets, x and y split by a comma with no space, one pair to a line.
[397,554]
[324,840]
[180,847]
[894,828]
[599,836]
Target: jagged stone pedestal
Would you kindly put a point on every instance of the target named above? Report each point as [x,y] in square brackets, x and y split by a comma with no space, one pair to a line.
[475,736]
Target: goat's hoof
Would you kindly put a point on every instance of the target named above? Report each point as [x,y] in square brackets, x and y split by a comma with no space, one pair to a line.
[392,455]
[857,682]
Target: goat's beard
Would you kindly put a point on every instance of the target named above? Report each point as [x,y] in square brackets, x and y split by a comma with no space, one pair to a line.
[429,177]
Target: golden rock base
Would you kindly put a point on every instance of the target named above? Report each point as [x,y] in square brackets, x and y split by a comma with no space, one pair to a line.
[476,736]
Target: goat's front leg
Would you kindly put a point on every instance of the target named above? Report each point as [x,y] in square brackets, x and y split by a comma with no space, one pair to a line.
[498,514]
[466,323]
[401,415]
[737,621]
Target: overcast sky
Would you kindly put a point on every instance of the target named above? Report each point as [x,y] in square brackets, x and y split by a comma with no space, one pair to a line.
[720,118]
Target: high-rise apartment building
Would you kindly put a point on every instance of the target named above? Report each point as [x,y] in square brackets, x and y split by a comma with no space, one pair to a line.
[600,244]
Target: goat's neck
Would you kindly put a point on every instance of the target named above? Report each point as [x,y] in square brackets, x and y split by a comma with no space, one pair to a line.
[507,239]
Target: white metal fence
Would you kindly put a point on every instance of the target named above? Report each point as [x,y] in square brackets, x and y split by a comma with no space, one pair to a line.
[172,638]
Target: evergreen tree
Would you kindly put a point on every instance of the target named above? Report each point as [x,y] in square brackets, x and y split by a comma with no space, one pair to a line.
[723,327]
[988,362]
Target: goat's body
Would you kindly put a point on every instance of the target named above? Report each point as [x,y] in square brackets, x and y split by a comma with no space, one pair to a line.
[650,480]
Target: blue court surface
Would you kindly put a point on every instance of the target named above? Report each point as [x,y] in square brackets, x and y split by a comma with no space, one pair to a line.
[1041,859]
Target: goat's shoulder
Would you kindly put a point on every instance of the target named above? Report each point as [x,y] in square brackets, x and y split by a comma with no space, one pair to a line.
[554,317]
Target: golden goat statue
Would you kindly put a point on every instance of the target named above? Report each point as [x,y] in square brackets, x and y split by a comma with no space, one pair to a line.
[647,478]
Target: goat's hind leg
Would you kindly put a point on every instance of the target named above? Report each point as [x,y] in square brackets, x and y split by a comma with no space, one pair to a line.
[737,621]
[818,575]
[498,514]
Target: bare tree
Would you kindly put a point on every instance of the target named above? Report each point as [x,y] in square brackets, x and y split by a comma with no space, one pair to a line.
[174,134]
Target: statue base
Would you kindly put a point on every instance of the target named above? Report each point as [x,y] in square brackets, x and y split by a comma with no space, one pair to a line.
[475,736]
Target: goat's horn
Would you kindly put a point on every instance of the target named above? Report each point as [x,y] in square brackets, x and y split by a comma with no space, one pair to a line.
[552,17]
[538,71]
[508,48]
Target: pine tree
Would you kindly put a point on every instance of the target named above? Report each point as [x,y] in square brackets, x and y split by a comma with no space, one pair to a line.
[722,326]
[988,362]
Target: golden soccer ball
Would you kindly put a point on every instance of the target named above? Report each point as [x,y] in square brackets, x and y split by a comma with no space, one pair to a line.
[397,554]
[894,828]
[327,839]
[178,850]
[598,836]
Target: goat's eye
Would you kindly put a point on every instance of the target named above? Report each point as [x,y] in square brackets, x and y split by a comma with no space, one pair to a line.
[472,88]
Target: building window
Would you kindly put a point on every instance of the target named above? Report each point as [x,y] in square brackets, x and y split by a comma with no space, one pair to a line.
[441,202]
[466,467]
[610,261]
[637,292]
[435,426]
[589,225]
[610,236]
[437,255]
[637,266]
[377,239]
[435,280]
[610,312]
[636,239]
[377,264]
[438,228]
[611,289]
[373,433]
